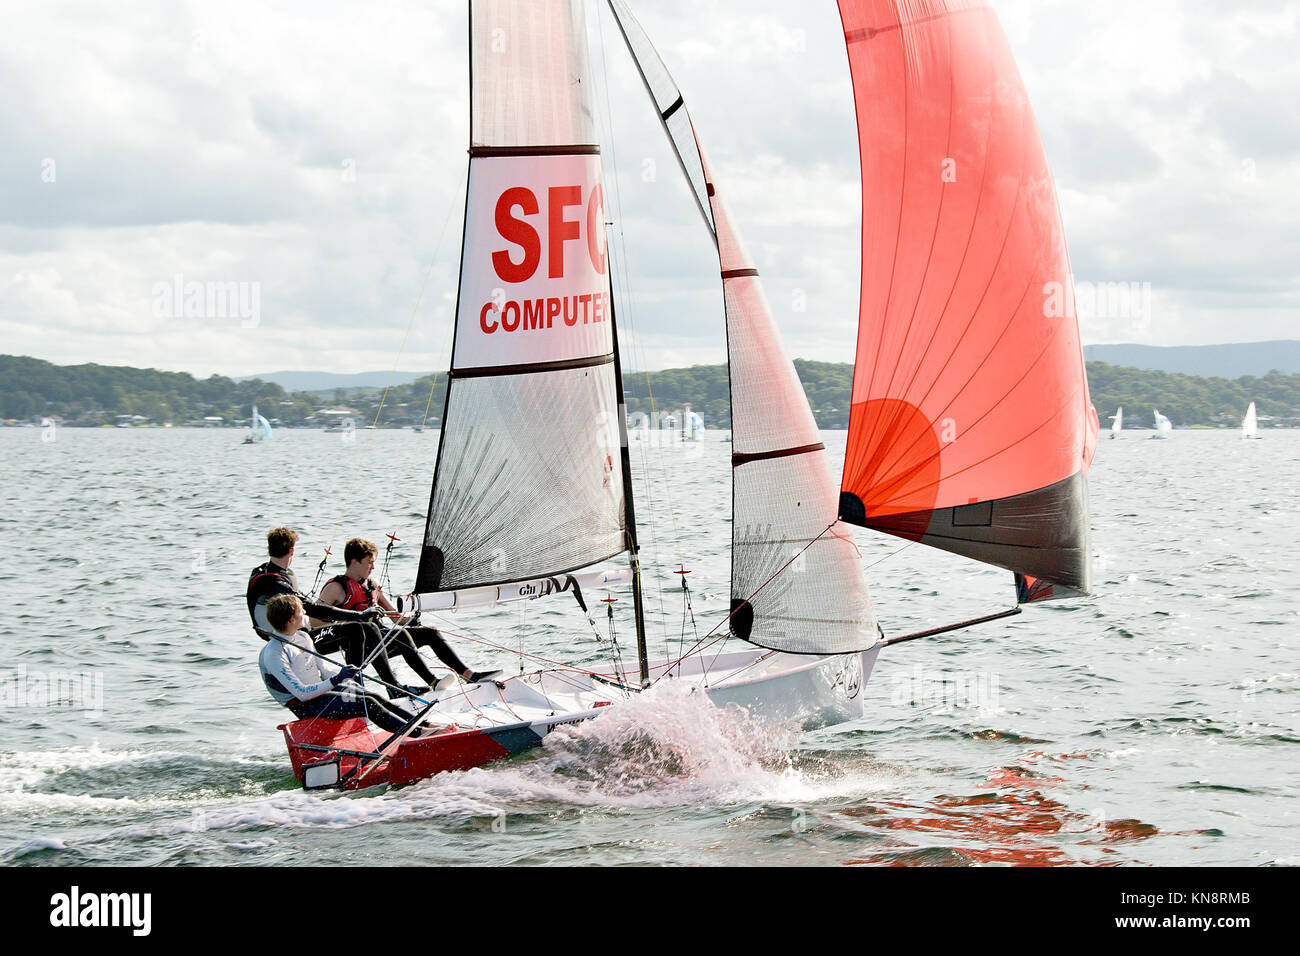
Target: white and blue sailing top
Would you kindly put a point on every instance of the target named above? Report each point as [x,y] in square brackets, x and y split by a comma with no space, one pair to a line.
[289,672]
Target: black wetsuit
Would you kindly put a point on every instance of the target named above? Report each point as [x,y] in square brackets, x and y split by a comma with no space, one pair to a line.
[354,637]
[360,595]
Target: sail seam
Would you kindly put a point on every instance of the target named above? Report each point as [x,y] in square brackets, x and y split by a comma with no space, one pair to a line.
[530,367]
[738,273]
[588,149]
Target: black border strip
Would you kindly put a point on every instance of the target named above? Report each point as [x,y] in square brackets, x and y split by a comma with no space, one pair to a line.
[476,151]
[738,460]
[738,273]
[525,367]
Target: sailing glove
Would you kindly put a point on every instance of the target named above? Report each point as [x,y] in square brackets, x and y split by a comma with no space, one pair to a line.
[348,673]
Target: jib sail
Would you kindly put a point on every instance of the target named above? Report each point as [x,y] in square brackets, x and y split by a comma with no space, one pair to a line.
[796,580]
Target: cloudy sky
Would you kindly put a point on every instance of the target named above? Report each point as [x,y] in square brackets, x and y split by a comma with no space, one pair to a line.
[314,156]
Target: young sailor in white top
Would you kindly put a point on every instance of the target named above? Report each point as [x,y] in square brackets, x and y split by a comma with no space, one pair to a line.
[310,686]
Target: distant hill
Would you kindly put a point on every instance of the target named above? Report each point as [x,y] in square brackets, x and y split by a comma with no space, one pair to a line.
[104,395]
[1215,361]
[324,381]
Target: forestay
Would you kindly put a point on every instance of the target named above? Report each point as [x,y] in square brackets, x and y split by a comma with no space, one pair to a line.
[971,427]
[796,578]
[528,481]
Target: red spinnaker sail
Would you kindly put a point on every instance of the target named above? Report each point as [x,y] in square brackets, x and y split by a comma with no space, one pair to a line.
[971,427]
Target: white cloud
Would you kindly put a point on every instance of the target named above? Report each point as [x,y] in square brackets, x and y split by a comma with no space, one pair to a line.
[319,152]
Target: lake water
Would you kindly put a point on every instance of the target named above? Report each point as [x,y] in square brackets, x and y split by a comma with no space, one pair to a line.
[1155,722]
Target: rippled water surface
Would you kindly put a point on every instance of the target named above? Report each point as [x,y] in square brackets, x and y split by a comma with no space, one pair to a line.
[1152,723]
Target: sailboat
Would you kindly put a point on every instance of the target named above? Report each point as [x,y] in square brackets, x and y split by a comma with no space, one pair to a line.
[1250,424]
[967,432]
[692,425]
[1117,422]
[1164,428]
[259,429]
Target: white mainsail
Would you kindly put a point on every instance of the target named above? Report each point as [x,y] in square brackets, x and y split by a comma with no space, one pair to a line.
[529,480]
[1117,425]
[259,429]
[1250,424]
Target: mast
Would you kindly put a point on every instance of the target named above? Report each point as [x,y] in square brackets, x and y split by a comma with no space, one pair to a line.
[629,510]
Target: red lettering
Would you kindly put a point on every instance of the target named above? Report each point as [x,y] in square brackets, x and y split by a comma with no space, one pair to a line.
[596,228]
[568,299]
[483,320]
[552,310]
[558,229]
[520,233]
[533,314]
[585,299]
[599,301]
[511,306]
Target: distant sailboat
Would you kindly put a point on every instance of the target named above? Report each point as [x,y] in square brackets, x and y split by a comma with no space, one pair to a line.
[692,425]
[1117,424]
[1250,424]
[1163,426]
[259,430]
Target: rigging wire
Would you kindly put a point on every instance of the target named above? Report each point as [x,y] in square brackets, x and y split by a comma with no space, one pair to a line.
[634,337]
[361,459]
[727,620]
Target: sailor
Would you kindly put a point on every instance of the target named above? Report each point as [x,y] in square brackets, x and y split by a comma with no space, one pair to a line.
[355,633]
[308,685]
[354,591]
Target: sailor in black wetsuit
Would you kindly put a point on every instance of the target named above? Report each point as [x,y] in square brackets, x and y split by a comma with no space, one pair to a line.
[355,591]
[353,632]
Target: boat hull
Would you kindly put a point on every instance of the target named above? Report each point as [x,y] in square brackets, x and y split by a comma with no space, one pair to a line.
[768,686]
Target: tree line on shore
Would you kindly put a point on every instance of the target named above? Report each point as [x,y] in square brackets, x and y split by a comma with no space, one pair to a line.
[90,394]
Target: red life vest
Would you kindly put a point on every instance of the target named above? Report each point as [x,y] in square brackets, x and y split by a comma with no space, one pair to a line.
[357,596]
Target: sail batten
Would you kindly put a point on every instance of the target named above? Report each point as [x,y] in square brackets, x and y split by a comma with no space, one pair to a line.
[529,478]
[969,399]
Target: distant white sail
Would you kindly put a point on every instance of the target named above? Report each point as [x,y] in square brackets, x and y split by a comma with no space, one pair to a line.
[1118,422]
[1250,424]
[259,429]
[1163,426]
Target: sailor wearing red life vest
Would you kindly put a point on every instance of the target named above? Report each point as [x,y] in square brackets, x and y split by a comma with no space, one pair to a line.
[354,591]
